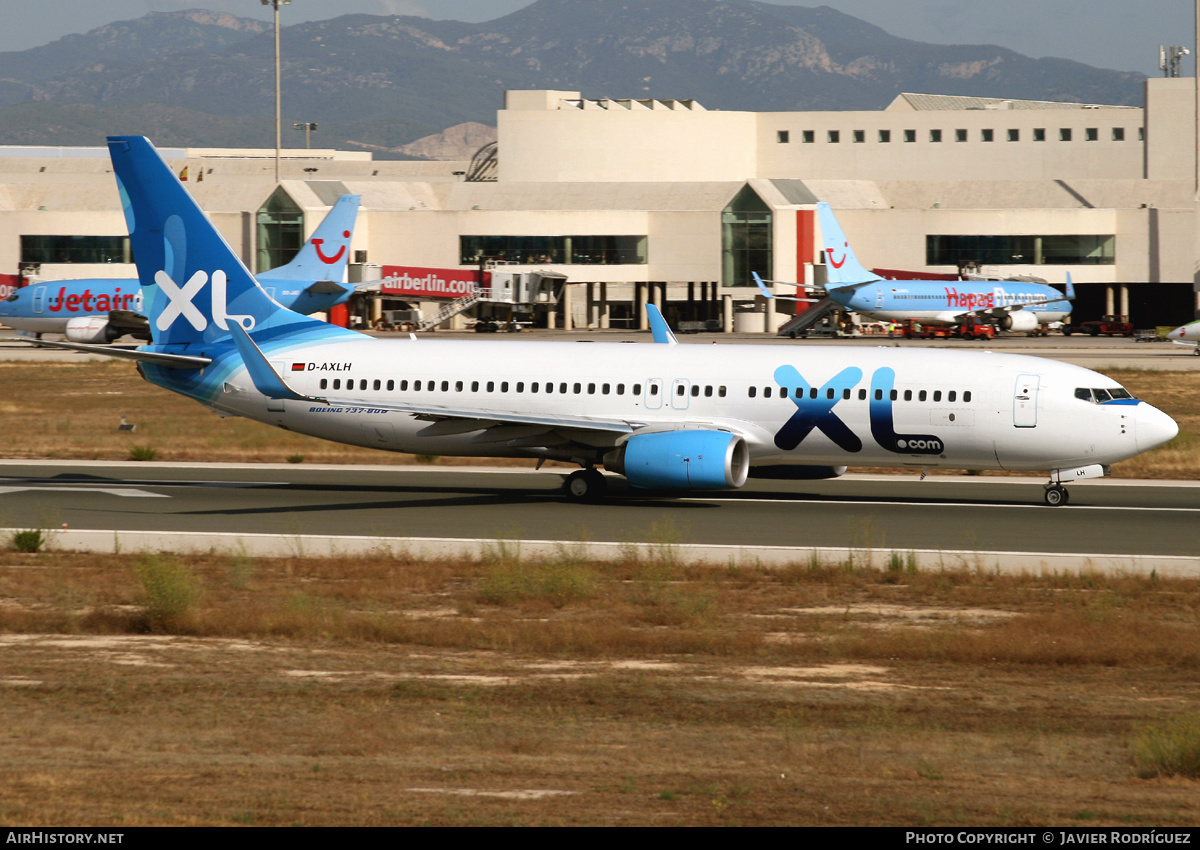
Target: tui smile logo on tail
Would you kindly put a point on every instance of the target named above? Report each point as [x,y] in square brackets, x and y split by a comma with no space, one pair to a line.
[317,243]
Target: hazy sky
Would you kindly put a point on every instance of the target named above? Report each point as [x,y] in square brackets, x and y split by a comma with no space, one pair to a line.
[1118,34]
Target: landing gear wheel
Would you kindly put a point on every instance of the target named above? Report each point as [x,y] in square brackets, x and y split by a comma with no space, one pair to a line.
[1057,495]
[585,485]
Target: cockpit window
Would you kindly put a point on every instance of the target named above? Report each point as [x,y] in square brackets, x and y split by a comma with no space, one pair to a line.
[1099,395]
[14,296]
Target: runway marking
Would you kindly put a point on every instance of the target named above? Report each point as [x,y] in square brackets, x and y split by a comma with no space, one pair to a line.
[126,492]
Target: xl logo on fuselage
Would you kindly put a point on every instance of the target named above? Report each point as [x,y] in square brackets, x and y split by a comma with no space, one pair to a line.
[179,302]
[814,411]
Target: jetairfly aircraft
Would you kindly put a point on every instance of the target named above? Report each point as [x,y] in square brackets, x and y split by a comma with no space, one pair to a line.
[666,416]
[102,310]
[1013,305]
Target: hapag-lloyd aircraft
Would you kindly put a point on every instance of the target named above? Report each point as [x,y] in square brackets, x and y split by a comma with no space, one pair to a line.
[666,416]
[1014,305]
[104,309]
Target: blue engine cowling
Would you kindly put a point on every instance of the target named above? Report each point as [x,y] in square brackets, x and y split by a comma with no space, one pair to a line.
[682,460]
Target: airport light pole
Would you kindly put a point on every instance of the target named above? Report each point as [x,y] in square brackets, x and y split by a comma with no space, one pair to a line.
[308,127]
[278,110]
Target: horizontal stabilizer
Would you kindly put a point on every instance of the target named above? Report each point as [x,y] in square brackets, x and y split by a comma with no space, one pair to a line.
[325,287]
[171,361]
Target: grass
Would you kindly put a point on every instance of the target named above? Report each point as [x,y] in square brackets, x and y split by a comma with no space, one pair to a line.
[518,691]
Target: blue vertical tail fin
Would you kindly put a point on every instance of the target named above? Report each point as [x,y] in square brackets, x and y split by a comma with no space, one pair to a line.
[326,253]
[193,284]
[842,267]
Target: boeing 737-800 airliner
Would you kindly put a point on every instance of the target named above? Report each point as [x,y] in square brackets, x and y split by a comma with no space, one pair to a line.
[666,416]
[1013,305]
[105,309]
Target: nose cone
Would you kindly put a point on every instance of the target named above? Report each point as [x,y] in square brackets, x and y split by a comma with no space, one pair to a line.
[1153,427]
[1186,332]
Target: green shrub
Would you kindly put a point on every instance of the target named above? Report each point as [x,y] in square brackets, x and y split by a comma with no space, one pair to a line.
[29,540]
[142,453]
[169,589]
[1169,749]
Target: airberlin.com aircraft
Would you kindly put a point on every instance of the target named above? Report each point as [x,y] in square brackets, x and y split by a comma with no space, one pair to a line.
[666,416]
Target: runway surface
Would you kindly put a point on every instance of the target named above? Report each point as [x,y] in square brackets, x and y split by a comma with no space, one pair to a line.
[879,512]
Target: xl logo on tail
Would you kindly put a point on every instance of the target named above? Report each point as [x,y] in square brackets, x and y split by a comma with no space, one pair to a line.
[180,299]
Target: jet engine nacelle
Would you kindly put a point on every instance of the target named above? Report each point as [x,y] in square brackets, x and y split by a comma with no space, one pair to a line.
[90,329]
[1021,321]
[682,460]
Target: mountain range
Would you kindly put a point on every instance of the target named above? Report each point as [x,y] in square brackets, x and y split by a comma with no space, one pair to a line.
[206,79]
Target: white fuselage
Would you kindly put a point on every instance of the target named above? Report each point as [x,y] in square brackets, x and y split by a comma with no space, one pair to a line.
[975,410]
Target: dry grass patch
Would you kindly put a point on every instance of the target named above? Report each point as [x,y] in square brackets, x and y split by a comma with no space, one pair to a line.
[507,690]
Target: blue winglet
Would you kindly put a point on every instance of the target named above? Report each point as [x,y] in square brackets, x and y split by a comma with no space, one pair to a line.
[265,379]
[1070,288]
[658,326]
[762,287]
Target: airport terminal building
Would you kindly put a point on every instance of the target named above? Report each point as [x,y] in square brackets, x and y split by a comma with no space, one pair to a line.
[637,200]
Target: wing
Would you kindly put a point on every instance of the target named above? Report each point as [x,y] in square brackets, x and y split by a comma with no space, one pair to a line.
[761,284]
[517,429]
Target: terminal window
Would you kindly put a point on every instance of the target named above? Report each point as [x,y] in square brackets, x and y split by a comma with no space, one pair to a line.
[1014,135]
[860,136]
[1057,249]
[567,250]
[960,135]
[1064,134]
[885,136]
[986,135]
[809,137]
[835,136]
[782,137]
[910,135]
[1039,134]
[75,249]
[935,135]
[1091,134]
[1118,134]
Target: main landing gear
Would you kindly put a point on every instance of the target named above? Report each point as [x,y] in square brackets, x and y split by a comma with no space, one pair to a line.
[1056,495]
[585,485]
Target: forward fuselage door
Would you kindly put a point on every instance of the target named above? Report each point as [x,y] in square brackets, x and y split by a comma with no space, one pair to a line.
[1025,399]
[39,299]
